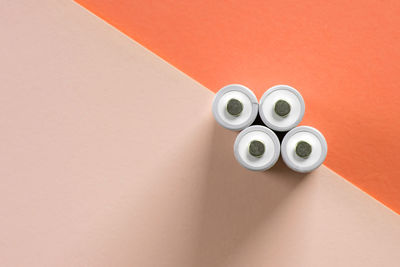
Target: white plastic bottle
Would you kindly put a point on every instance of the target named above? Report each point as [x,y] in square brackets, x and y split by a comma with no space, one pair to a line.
[235,107]
[281,108]
[304,149]
[257,148]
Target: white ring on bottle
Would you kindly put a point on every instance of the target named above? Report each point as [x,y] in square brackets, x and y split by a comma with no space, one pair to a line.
[311,136]
[245,96]
[266,136]
[267,108]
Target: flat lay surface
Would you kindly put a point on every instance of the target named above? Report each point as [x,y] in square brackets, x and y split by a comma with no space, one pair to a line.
[96,173]
[341,55]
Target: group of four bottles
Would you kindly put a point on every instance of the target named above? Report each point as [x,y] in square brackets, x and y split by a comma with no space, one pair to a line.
[281,109]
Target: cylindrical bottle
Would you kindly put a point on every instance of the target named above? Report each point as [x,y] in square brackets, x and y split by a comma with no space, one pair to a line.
[257,148]
[304,149]
[235,107]
[281,108]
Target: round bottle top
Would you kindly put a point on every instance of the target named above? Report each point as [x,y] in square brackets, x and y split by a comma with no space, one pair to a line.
[257,148]
[304,149]
[281,108]
[235,107]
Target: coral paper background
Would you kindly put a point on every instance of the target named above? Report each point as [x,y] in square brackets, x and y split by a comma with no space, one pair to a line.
[342,55]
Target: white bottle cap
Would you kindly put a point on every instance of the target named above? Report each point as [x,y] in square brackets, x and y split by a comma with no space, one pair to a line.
[305,158]
[243,106]
[293,108]
[243,151]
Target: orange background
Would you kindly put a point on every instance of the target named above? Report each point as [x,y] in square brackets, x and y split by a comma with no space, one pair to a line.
[341,55]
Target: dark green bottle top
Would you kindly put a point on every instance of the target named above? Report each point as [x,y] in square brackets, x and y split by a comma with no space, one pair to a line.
[234,107]
[256,148]
[303,149]
[282,108]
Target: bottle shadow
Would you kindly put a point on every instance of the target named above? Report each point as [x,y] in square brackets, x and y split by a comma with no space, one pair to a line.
[236,201]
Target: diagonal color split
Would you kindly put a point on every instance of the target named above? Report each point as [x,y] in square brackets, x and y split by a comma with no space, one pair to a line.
[342,55]
[80,186]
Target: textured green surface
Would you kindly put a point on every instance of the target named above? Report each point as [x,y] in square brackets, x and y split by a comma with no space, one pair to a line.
[282,108]
[256,148]
[234,107]
[303,149]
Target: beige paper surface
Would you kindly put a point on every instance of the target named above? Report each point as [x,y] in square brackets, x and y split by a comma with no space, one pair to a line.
[111,157]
